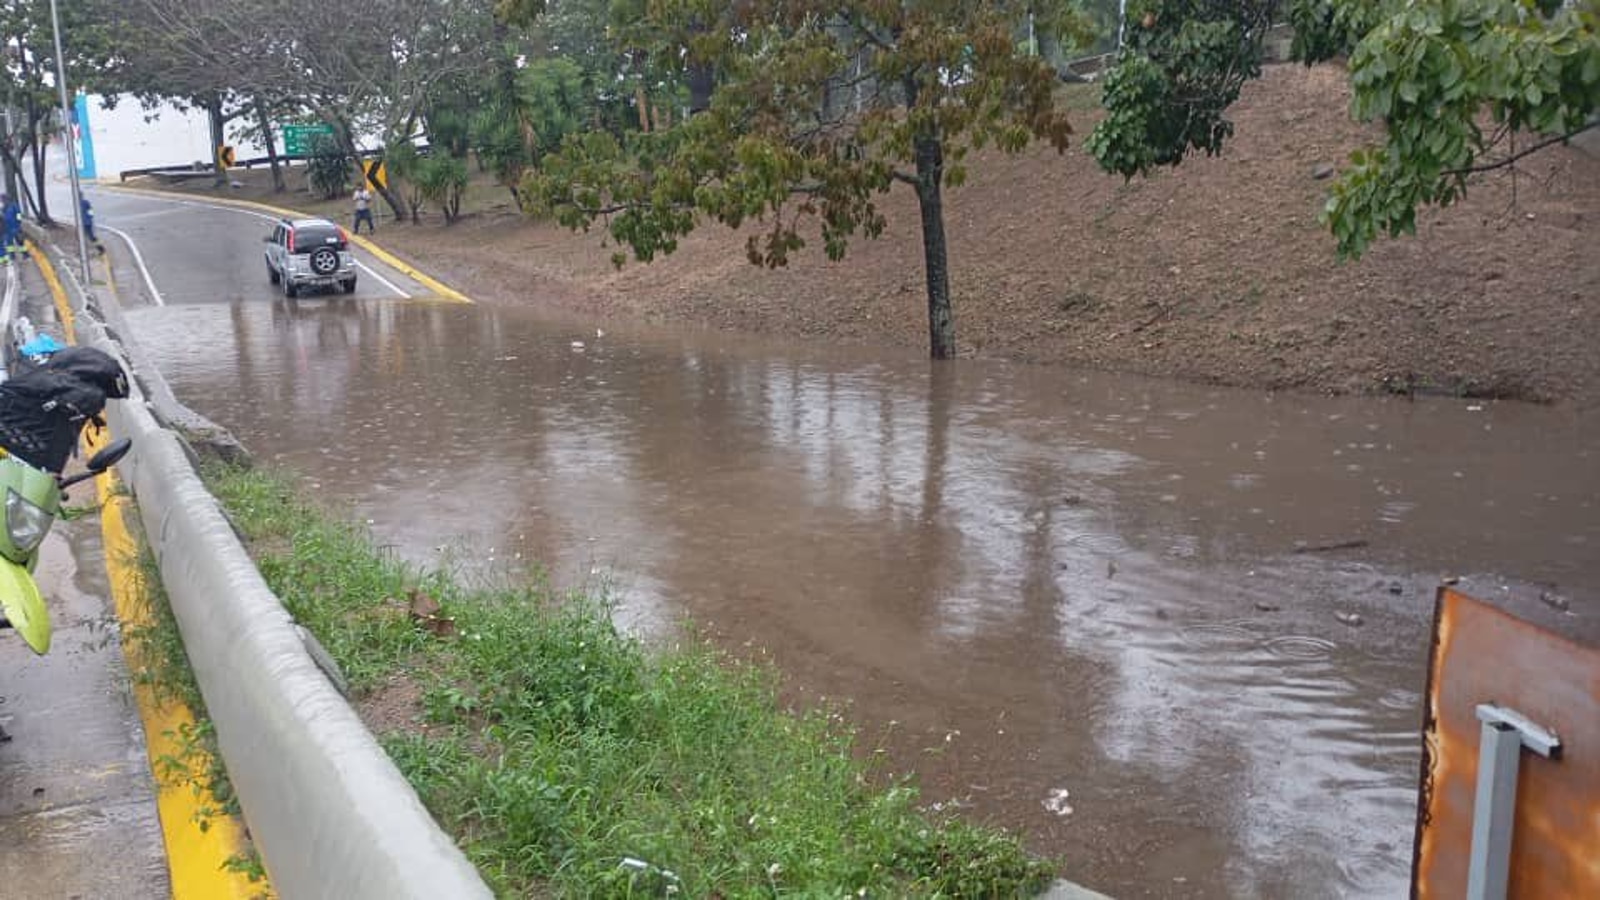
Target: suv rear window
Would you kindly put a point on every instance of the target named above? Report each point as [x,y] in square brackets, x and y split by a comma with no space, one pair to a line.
[309,237]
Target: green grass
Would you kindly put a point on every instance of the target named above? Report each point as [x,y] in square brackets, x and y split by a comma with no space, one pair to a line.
[567,758]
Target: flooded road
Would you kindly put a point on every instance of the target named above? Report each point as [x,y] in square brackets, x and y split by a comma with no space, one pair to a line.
[1074,605]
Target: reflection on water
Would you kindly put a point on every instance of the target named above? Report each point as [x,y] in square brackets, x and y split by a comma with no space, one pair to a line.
[1054,586]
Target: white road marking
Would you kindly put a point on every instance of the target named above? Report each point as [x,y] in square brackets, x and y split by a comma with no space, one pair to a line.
[138,257]
[382,280]
[260,215]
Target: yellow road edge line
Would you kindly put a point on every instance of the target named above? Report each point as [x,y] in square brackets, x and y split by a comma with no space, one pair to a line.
[57,292]
[111,278]
[199,844]
[410,271]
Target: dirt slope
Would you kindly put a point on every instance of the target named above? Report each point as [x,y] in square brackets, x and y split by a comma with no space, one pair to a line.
[1215,272]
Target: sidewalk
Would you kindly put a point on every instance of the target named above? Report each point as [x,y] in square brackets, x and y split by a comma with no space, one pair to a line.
[77,798]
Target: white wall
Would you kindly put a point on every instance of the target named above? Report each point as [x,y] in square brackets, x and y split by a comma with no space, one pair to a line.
[131,137]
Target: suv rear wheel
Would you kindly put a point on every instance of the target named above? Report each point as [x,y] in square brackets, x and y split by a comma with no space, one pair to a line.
[272,274]
[325,261]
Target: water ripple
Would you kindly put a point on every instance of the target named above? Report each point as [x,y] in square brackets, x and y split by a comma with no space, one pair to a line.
[1300,646]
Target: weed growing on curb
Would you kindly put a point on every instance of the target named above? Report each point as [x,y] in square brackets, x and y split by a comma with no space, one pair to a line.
[564,756]
[160,663]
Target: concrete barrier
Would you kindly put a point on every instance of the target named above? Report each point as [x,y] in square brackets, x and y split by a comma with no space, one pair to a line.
[328,810]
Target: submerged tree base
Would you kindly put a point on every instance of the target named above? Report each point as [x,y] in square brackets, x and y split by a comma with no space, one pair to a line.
[562,755]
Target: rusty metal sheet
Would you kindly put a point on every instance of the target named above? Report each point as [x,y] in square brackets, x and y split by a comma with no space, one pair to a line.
[1482,654]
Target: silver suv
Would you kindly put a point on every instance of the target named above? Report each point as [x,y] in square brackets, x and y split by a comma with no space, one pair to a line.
[309,253]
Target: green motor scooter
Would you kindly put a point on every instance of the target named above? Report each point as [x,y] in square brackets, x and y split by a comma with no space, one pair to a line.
[43,411]
[32,503]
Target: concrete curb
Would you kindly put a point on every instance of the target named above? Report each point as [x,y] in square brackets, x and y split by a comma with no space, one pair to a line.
[8,311]
[328,810]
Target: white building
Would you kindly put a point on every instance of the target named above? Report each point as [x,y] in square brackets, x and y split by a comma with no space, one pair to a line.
[129,136]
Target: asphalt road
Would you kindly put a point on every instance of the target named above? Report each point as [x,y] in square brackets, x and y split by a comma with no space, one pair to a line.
[186,251]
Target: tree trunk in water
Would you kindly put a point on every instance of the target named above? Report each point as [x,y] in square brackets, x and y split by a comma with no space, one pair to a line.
[935,253]
[272,147]
[218,138]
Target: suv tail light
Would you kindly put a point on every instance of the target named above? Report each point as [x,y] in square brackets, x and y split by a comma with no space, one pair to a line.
[344,236]
[291,240]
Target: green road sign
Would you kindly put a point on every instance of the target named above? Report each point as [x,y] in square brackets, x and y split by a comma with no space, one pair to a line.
[298,139]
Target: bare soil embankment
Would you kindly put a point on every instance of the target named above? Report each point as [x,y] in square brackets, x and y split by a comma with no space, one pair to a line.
[1215,272]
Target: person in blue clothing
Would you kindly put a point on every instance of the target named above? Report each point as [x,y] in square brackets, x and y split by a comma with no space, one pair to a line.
[11,227]
[88,223]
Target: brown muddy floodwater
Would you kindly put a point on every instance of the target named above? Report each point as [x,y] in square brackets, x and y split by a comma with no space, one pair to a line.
[1073,604]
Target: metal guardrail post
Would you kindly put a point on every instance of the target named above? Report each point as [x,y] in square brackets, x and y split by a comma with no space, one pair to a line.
[1504,733]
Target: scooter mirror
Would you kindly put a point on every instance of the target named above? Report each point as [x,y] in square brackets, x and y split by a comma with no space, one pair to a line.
[108,455]
[100,462]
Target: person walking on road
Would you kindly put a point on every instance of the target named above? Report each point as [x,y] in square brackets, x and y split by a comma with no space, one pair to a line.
[364,210]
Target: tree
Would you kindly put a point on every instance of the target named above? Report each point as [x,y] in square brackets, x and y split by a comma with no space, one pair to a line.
[28,35]
[812,110]
[405,164]
[372,66]
[328,168]
[442,180]
[192,54]
[1454,84]
[366,67]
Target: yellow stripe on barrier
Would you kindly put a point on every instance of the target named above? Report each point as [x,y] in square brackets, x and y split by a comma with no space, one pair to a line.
[200,845]
[433,284]
[57,292]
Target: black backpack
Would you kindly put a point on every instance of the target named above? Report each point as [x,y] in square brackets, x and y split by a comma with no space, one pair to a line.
[92,366]
[43,411]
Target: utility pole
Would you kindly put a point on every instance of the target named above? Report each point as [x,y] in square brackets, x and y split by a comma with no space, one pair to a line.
[72,152]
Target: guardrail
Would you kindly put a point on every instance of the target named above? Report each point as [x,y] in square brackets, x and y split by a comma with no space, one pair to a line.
[326,807]
[8,312]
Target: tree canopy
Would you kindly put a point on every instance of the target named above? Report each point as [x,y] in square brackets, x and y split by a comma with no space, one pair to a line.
[649,118]
[30,83]
[1454,82]
[815,109]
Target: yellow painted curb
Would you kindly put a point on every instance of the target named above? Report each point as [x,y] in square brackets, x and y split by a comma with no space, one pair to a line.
[57,292]
[199,844]
[410,271]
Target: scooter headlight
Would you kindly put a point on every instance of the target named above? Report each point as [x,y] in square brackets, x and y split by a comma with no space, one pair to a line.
[26,523]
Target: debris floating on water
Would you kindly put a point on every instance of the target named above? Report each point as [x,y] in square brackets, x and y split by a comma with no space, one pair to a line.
[1056,802]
